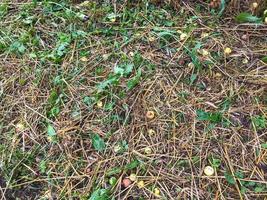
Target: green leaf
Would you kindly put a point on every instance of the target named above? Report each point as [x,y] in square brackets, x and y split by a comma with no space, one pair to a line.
[128,68]
[193,77]
[100,194]
[61,49]
[112,80]
[264,146]
[54,111]
[17,47]
[250,184]
[247,17]
[259,189]
[259,122]
[202,115]
[112,181]
[239,174]
[53,97]
[118,70]
[135,80]
[114,171]
[194,55]
[208,116]
[222,7]
[43,166]
[264,59]
[124,69]
[229,178]
[98,143]
[132,165]
[216,162]
[51,131]
[167,34]
[243,189]
[89,101]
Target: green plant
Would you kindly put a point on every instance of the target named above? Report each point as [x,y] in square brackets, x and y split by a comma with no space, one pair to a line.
[100,194]
[247,17]
[51,133]
[98,142]
[244,184]
[213,117]
[259,122]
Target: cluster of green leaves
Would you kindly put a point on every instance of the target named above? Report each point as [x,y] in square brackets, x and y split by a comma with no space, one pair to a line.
[264,59]
[117,170]
[259,122]
[247,17]
[11,165]
[215,162]
[98,142]
[213,119]
[54,102]
[186,163]
[100,194]
[61,47]
[124,71]
[243,184]
[193,53]
[104,193]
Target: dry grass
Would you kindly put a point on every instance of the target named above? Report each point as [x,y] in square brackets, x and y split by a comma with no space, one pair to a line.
[182,145]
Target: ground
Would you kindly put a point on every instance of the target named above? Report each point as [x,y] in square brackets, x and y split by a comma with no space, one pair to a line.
[132,100]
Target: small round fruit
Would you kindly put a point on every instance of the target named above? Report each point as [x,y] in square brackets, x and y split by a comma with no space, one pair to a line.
[105,56]
[183,36]
[99,104]
[113,19]
[126,182]
[131,54]
[227,50]
[133,177]
[151,132]
[204,52]
[148,150]
[255,5]
[204,34]
[245,61]
[137,35]
[117,148]
[156,192]
[191,65]
[112,181]
[84,59]
[218,75]
[20,127]
[208,170]
[151,39]
[150,114]
[141,184]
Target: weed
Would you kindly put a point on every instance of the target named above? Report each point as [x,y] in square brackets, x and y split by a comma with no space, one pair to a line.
[259,122]
[132,100]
